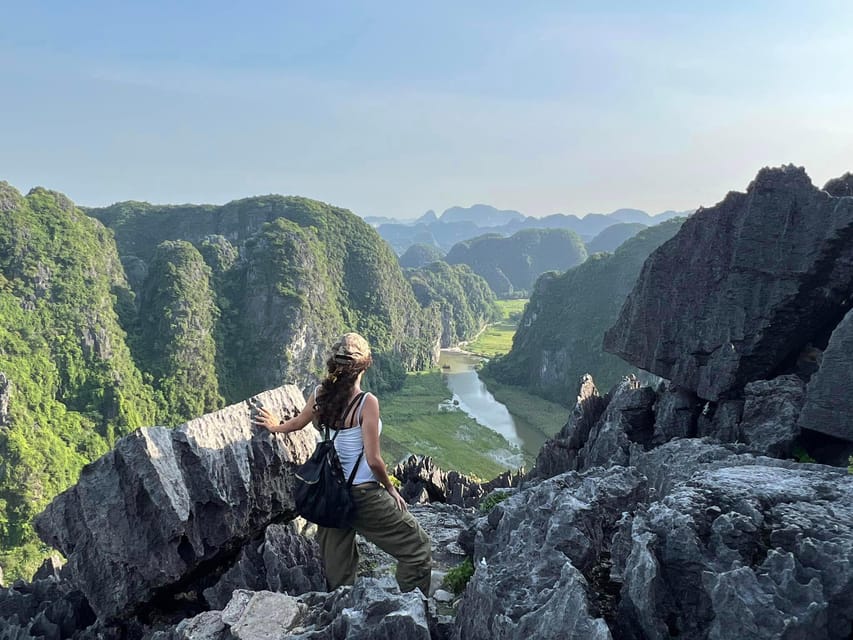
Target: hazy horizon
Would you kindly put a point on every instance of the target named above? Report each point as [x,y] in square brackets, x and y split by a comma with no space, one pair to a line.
[391,110]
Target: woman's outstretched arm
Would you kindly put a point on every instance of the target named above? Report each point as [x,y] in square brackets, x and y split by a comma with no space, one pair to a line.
[270,421]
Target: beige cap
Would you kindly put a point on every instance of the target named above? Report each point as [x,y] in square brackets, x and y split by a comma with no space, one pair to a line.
[351,348]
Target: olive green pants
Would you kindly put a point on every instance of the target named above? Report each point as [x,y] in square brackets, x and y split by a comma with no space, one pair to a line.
[395,532]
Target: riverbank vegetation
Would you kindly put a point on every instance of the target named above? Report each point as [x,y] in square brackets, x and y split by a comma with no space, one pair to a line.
[421,419]
[496,338]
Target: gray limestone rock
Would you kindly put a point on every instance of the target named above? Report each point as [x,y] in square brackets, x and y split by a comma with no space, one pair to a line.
[5,397]
[284,561]
[371,609]
[720,420]
[165,503]
[770,412]
[533,552]
[676,413]
[627,423]
[748,284]
[829,397]
[743,552]
[560,453]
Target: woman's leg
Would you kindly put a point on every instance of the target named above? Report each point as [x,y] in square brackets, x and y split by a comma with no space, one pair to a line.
[397,533]
[340,555]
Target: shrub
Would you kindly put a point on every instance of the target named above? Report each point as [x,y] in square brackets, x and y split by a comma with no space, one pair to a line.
[488,503]
[458,576]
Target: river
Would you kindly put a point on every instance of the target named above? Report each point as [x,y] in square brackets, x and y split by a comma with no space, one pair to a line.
[459,369]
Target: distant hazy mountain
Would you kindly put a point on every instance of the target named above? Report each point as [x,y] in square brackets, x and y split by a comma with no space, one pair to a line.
[482,215]
[613,236]
[458,224]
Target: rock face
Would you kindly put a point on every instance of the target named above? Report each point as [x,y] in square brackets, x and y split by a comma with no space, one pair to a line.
[770,413]
[533,551]
[600,431]
[284,561]
[5,396]
[167,503]
[747,552]
[749,284]
[829,402]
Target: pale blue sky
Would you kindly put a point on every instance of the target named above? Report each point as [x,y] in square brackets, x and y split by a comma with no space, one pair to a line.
[392,108]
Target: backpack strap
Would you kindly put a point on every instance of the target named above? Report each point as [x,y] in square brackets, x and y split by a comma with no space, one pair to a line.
[361,408]
[347,412]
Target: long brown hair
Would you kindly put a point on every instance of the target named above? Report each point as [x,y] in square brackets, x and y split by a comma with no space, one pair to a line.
[336,390]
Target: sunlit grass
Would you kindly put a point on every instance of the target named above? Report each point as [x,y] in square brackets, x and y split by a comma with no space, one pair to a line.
[496,339]
[413,424]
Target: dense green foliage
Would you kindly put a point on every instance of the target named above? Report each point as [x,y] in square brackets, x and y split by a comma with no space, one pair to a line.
[461,298]
[512,264]
[177,332]
[306,272]
[74,387]
[419,255]
[560,335]
[492,500]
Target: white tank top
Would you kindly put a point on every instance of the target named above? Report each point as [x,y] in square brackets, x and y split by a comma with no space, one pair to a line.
[349,443]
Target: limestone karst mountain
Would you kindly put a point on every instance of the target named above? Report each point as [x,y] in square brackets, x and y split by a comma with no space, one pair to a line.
[560,335]
[511,265]
[655,513]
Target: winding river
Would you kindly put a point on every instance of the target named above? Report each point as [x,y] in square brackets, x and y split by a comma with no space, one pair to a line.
[474,399]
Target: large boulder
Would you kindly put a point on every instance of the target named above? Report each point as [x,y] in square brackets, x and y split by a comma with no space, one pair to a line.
[748,284]
[536,552]
[166,504]
[747,552]
[829,398]
[370,610]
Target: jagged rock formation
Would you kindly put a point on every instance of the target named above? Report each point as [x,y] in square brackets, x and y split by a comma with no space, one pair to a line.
[535,554]
[283,561]
[746,552]
[422,482]
[750,283]
[165,505]
[370,609]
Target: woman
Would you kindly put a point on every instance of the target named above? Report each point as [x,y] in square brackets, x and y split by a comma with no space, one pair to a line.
[382,516]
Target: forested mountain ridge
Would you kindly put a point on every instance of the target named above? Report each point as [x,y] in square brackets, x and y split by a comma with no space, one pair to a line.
[303,264]
[463,300]
[72,385]
[512,264]
[560,335]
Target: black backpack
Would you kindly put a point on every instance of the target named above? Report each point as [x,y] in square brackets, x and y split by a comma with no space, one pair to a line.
[321,494]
